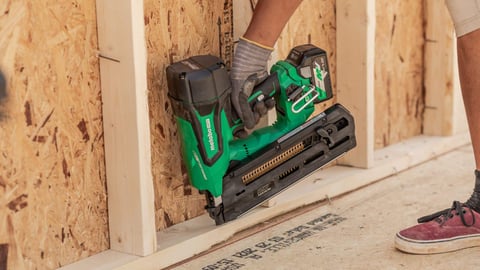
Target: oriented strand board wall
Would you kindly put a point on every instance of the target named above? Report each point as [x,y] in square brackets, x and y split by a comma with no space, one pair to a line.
[53,207]
[399,95]
[179,29]
[176,30]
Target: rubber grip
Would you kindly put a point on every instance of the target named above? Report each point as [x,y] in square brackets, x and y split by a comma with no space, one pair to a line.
[268,88]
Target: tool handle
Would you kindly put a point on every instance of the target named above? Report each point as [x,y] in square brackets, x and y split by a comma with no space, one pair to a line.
[266,89]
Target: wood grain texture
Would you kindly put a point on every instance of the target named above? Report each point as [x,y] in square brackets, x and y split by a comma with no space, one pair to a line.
[442,89]
[399,94]
[52,176]
[123,73]
[176,30]
[356,24]
[179,29]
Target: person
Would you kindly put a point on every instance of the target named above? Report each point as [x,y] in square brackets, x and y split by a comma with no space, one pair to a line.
[451,229]
[457,227]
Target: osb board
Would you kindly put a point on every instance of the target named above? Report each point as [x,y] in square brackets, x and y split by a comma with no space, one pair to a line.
[53,208]
[179,29]
[313,22]
[399,95]
[176,30]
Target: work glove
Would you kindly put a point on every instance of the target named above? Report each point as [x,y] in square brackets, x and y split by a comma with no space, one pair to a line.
[249,68]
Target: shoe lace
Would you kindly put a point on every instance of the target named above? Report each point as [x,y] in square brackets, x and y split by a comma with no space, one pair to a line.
[442,216]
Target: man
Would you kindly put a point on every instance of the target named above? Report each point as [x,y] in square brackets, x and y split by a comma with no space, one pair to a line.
[448,230]
[459,226]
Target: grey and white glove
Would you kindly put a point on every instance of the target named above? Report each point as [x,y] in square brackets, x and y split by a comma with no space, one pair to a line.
[249,68]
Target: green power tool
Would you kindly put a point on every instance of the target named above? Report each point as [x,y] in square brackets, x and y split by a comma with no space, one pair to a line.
[238,174]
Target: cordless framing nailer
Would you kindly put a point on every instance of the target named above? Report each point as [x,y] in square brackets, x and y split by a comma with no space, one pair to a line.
[238,174]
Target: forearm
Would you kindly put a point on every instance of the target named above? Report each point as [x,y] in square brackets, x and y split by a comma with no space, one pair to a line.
[269,19]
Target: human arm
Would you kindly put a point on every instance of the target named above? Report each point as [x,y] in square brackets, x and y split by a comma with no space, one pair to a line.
[251,56]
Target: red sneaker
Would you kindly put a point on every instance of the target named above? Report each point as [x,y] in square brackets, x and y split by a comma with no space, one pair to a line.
[448,230]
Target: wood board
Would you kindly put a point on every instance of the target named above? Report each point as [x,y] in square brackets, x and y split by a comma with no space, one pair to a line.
[176,30]
[179,29]
[185,240]
[399,93]
[444,111]
[123,70]
[330,235]
[356,24]
[53,208]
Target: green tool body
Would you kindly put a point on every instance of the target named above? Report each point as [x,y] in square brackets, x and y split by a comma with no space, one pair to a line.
[199,88]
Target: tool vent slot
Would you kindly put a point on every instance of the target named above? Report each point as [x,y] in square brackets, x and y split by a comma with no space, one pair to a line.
[343,140]
[288,172]
[272,163]
[342,123]
[314,157]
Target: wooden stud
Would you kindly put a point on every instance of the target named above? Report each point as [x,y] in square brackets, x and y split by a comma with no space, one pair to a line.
[444,113]
[126,126]
[399,95]
[355,73]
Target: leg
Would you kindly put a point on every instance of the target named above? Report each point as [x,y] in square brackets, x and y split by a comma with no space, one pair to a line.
[459,226]
[469,70]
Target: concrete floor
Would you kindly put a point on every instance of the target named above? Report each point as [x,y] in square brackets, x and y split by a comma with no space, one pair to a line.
[356,231]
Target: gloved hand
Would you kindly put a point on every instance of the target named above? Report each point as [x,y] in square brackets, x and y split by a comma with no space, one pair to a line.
[249,68]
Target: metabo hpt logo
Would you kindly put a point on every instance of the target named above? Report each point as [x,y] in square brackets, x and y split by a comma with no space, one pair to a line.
[208,124]
[319,75]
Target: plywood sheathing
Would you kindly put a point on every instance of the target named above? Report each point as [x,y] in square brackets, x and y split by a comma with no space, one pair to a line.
[179,29]
[399,95]
[176,30]
[53,207]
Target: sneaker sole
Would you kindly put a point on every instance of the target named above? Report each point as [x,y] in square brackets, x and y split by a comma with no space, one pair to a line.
[436,246]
